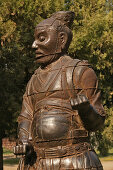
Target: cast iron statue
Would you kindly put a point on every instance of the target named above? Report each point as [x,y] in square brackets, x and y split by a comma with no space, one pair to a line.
[61,105]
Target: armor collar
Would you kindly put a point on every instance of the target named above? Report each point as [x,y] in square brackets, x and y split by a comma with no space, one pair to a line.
[57,64]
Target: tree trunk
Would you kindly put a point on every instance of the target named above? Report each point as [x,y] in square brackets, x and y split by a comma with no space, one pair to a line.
[1,154]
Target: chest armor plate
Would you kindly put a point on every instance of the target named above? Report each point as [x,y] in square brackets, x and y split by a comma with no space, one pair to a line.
[53,116]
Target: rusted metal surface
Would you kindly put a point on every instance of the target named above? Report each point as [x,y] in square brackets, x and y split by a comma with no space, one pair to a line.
[61,105]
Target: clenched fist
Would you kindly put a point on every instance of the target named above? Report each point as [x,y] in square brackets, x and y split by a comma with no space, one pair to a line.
[27,150]
[80,102]
[23,147]
[20,149]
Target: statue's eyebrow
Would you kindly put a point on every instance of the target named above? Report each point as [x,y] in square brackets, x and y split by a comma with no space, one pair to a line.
[39,32]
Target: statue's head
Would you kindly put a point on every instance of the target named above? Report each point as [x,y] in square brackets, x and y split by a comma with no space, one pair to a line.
[53,37]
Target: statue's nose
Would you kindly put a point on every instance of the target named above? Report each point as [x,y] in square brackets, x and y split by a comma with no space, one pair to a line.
[34,45]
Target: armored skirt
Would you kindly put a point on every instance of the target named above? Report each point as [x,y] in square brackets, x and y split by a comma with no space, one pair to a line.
[87,160]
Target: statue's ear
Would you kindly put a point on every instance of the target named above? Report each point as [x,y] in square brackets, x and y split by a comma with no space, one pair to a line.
[63,37]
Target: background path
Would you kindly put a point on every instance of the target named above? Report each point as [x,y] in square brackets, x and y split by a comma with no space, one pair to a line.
[108,165]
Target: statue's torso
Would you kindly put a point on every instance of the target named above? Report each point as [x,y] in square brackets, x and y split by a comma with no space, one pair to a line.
[57,131]
[50,91]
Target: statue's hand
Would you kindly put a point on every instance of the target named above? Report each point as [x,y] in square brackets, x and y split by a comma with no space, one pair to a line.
[20,149]
[26,149]
[80,103]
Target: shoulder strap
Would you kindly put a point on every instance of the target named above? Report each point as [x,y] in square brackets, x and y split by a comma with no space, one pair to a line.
[69,72]
[67,78]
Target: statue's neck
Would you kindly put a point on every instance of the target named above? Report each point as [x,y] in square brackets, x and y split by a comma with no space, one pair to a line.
[58,63]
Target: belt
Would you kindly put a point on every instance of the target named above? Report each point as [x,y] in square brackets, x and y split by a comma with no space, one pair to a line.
[53,103]
[78,135]
[62,151]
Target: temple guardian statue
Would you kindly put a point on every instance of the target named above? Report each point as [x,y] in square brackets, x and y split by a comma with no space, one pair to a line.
[61,104]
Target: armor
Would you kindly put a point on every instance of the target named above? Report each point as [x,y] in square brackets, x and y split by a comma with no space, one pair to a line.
[61,106]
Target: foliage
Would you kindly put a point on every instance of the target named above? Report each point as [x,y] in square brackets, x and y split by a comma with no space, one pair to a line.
[92,40]
[108,131]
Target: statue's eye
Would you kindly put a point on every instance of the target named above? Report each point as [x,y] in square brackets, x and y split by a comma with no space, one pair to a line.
[41,38]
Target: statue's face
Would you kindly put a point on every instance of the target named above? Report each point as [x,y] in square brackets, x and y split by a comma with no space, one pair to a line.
[46,44]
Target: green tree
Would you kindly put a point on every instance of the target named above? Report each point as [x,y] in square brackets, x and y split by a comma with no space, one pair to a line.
[93,40]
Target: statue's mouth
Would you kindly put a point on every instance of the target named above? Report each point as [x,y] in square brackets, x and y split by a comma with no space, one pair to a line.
[39,55]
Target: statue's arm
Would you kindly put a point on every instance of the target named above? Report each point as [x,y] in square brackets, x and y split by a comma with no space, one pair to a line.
[24,146]
[25,120]
[24,123]
[89,99]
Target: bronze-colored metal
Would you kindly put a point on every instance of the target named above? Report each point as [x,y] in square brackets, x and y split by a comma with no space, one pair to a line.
[61,104]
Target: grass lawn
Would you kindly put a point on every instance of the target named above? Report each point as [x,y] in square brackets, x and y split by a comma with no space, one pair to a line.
[11,161]
[109,156]
[9,158]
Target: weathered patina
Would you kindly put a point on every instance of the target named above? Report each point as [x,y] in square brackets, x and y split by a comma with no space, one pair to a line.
[61,105]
